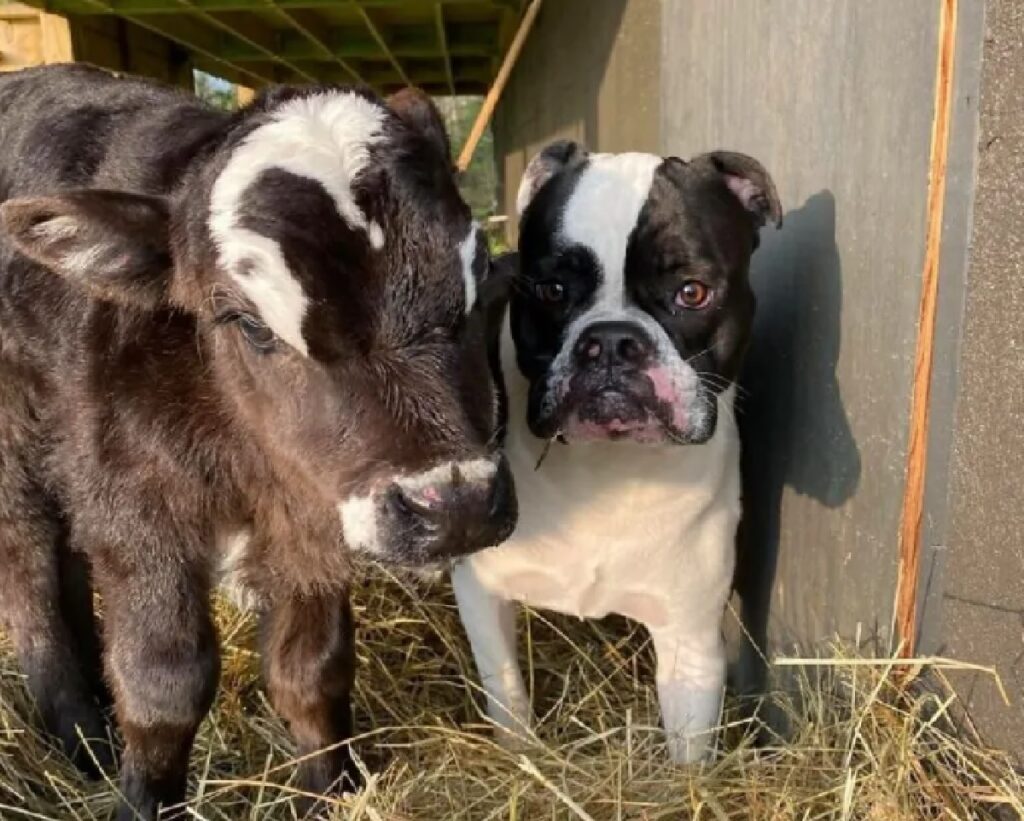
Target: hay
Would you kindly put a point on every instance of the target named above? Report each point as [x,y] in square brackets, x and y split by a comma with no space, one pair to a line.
[861,745]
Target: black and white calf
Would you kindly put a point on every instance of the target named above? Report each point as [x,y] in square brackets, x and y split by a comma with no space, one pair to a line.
[230,345]
[625,329]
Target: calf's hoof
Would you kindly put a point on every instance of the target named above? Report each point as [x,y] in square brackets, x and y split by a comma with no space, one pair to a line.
[325,776]
[84,735]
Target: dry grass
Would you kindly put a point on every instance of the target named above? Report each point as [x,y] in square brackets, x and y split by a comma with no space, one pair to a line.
[861,746]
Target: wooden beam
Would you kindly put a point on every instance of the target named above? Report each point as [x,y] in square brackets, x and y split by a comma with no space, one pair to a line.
[381,41]
[55,39]
[123,7]
[917,448]
[491,100]
[298,20]
[346,48]
[186,33]
[510,13]
[442,40]
[244,95]
[248,31]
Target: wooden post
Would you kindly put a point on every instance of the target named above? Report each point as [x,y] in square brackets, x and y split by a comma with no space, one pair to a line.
[491,101]
[29,37]
[917,448]
[55,39]
[244,95]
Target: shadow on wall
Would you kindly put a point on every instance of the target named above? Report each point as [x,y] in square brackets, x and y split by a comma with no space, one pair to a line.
[793,425]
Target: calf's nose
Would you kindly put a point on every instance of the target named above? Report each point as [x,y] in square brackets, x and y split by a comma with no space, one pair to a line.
[468,507]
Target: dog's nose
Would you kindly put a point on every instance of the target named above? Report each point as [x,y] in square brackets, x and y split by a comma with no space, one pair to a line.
[613,342]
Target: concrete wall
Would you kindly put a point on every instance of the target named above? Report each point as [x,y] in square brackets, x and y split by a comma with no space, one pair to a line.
[590,72]
[977,601]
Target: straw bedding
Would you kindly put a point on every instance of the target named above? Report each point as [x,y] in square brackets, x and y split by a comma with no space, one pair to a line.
[864,740]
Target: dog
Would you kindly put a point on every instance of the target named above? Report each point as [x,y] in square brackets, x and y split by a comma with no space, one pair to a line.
[619,345]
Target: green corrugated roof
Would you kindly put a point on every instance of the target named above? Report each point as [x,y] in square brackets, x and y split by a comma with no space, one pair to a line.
[443,46]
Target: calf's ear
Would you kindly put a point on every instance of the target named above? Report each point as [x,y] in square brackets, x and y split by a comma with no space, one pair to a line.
[114,244]
[415,108]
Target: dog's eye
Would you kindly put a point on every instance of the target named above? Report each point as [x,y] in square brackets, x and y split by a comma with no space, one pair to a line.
[258,335]
[694,295]
[549,291]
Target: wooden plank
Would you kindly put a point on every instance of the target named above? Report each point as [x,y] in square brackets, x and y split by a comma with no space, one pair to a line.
[186,33]
[347,48]
[491,101]
[442,41]
[30,37]
[377,35]
[917,453]
[249,31]
[55,39]
[244,95]
[301,23]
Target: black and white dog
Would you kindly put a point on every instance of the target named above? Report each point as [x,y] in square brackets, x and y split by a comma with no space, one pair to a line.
[626,325]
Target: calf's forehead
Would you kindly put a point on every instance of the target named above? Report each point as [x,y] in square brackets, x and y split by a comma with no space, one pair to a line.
[329,140]
[325,137]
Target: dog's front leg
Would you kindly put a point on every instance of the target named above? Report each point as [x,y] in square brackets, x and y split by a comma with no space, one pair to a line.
[691,678]
[490,623]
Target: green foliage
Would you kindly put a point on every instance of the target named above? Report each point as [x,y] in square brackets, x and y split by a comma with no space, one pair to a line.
[479,183]
[214,91]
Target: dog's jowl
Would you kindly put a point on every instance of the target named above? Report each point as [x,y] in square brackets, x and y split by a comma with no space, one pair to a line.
[624,332]
[237,344]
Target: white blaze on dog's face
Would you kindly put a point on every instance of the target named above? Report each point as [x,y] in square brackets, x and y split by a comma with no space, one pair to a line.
[633,305]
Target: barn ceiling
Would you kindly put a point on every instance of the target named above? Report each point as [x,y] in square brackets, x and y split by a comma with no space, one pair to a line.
[443,46]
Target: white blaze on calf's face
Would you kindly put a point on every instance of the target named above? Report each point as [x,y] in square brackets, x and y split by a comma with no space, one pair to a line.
[323,137]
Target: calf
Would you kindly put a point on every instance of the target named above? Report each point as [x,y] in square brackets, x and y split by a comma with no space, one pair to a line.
[238,344]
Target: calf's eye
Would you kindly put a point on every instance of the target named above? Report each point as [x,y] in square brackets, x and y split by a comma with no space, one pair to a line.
[693,295]
[549,291]
[256,333]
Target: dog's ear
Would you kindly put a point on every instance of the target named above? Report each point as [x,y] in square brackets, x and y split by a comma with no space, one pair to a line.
[415,108]
[556,157]
[748,180]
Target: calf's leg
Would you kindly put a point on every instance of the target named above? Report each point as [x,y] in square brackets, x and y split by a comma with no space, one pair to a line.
[309,662]
[162,665]
[31,606]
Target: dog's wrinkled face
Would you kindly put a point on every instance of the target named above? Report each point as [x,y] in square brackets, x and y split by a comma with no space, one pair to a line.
[632,306]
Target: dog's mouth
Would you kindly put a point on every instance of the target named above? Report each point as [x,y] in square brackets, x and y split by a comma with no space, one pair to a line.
[616,413]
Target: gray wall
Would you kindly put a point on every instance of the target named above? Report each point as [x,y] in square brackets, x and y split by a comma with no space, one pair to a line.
[830,367]
[588,72]
[978,599]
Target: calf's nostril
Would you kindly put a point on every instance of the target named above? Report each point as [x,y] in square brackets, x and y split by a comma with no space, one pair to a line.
[408,505]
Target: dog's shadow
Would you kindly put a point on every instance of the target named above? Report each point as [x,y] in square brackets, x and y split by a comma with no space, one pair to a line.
[790,413]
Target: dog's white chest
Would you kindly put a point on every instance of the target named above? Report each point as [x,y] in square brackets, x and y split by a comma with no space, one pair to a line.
[615,527]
